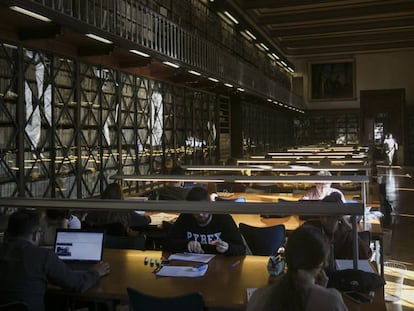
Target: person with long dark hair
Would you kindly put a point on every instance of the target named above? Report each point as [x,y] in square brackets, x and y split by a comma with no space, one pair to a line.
[303,286]
[116,222]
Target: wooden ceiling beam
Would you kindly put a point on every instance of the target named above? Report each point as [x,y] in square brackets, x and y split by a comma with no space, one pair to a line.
[361,48]
[349,39]
[343,27]
[317,15]
[281,4]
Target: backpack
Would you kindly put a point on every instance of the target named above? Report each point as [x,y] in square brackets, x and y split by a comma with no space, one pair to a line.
[355,280]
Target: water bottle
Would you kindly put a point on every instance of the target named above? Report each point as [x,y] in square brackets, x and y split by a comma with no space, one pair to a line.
[276,263]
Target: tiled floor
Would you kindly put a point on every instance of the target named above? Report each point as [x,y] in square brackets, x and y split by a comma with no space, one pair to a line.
[400,194]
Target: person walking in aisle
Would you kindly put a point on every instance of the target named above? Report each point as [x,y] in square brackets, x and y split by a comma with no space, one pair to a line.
[390,146]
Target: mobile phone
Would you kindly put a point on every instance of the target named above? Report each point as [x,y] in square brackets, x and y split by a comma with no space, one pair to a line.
[358,297]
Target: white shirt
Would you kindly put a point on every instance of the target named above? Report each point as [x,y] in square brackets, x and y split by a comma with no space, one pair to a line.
[314,194]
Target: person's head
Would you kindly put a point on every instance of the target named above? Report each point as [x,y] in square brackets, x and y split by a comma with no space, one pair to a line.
[24,224]
[200,194]
[322,187]
[176,171]
[231,161]
[330,223]
[306,249]
[57,217]
[325,162]
[56,214]
[306,253]
[113,192]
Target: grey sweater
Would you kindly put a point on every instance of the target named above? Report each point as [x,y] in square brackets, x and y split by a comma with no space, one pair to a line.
[26,270]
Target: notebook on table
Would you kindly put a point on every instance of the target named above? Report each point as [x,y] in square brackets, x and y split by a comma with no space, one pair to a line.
[80,249]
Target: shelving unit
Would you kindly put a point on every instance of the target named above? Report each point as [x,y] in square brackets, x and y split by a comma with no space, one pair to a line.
[265,128]
[328,127]
[69,126]
[8,120]
[224,127]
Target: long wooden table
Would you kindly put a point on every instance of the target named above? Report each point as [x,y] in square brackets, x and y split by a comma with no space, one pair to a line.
[223,286]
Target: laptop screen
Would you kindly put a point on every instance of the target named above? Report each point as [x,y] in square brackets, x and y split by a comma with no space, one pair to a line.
[79,245]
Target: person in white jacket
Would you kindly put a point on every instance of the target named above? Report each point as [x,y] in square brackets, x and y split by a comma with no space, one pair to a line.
[390,146]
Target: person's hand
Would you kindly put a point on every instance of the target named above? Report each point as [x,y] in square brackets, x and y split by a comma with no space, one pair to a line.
[321,278]
[102,268]
[195,247]
[221,246]
[213,197]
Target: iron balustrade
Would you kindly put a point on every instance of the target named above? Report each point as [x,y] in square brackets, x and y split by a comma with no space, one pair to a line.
[132,21]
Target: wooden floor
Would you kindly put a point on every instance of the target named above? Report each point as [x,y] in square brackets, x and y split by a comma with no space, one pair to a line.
[400,194]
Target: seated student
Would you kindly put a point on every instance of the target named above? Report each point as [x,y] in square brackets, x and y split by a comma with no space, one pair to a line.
[322,190]
[204,232]
[173,190]
[116,223]
[54,219]
[26,268]
[303,287]
[339,233]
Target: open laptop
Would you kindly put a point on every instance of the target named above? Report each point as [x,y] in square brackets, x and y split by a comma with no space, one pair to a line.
[80,249]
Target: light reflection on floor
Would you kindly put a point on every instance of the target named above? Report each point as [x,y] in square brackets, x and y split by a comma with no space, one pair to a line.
[407,293]
[399,186]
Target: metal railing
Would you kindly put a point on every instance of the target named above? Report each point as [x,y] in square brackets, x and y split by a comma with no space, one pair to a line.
[130,20]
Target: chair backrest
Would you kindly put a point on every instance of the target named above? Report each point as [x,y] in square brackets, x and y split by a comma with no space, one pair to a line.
[141,302]
[115,228]
[14,306]
[263,241]
[365,236]
[125,242]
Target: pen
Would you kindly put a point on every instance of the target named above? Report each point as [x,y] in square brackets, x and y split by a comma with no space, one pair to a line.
[235,264]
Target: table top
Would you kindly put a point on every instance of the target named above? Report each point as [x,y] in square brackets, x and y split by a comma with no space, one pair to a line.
[223,286]
[291,222]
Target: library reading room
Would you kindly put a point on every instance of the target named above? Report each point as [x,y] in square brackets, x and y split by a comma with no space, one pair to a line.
[216,155]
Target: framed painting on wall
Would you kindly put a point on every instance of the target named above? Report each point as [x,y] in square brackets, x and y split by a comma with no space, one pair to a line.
[332,81]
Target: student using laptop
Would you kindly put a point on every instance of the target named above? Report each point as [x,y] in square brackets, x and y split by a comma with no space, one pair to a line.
[26,269]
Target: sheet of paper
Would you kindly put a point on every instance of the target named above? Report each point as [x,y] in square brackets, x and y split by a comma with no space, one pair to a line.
[192,257]
[157,219]
[363,264]
[182,271]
